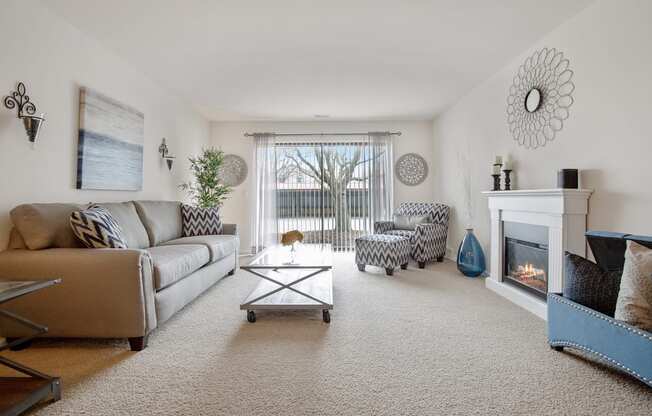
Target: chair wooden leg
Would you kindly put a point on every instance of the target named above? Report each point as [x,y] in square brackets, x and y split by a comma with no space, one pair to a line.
[389,271]
[231,273]
[138,343]
[440,259]
[361,267]
[404,266]
[422,264]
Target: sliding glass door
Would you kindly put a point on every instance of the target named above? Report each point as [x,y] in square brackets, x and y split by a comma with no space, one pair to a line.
[322,190]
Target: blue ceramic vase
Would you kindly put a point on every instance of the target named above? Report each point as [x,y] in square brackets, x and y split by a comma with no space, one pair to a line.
[470,257]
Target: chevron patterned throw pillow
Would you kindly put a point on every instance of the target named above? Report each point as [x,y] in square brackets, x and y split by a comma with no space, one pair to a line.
[95,227]
[200,221]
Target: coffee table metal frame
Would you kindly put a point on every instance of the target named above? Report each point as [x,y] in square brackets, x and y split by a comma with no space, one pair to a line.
[50,386]
[279,276]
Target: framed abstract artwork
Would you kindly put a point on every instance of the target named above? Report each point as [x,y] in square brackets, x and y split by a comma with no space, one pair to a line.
[110,147]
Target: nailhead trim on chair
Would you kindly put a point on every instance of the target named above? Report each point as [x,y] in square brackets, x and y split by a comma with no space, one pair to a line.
[612,321]
[559,342]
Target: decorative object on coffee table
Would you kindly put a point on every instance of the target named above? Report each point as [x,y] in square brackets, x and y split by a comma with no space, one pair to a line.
[382,250]
[411,169]
[233,170]
[18,394]
[291,238]
[306,283]
[470,257]
[540,98]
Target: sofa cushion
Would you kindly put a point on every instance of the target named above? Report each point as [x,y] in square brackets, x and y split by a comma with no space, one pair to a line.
[45,225]
[16,241]
[174,262]
[634,304]
[200,221]
[162,220]
[95,227]
[133,230]
[219,246]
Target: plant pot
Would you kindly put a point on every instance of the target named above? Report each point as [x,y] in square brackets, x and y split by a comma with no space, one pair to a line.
[470,257]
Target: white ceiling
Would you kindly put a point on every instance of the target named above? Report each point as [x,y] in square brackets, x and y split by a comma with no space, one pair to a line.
[290,60]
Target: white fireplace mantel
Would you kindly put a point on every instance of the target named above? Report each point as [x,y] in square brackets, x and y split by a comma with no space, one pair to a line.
[562,211]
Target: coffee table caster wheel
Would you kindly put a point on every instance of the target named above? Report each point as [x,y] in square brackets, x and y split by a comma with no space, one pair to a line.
[326,316]
[251,316]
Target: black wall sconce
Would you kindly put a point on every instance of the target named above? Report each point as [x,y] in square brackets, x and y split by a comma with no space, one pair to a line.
[26,110]
[165,154]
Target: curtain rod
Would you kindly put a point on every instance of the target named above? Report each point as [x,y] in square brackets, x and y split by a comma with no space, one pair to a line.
[391,133]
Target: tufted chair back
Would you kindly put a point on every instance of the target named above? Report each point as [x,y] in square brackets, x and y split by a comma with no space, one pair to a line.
[438,212]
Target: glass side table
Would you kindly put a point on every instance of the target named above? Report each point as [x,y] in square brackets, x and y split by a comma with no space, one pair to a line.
[18,394]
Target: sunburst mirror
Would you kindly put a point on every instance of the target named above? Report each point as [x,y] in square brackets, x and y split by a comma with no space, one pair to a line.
[539,98]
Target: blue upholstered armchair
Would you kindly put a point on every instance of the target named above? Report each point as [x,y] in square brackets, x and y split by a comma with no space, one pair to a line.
[576,326]
[427,240]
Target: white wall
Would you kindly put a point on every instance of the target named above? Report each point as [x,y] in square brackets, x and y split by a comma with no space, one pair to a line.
[54,60]
[608,134]
[416,137]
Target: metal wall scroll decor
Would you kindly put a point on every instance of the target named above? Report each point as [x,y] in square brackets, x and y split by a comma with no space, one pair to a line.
[233,170]
[539,98]
[165,154]
[26,111]
[411,169]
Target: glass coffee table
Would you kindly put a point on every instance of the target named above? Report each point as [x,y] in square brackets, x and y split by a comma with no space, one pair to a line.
[18,394]
[292,281]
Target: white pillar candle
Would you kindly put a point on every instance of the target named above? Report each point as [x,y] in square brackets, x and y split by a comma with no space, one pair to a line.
[495,169]
[499,160]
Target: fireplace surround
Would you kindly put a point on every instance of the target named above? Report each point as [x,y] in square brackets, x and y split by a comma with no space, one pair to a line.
[530,231]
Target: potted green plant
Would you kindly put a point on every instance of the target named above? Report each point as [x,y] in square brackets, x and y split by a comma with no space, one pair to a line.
[206,191]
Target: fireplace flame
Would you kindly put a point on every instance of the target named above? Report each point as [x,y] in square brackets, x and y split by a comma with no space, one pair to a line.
[528,271]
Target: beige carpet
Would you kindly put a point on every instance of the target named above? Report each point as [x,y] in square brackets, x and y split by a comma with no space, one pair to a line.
[423,342]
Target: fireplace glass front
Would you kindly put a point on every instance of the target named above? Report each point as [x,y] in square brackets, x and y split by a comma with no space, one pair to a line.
[526,257]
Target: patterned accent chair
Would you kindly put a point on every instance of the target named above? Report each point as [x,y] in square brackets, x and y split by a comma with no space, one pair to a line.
[428,240]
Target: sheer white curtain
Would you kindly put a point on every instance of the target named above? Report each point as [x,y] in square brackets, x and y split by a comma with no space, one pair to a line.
[381,177]
[264,218]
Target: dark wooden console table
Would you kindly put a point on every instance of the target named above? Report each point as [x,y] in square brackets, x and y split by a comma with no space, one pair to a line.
[17,394]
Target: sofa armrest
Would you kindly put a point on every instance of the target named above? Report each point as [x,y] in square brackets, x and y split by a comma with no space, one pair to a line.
[104,293]
[381,226]
[621,345]
[230,229]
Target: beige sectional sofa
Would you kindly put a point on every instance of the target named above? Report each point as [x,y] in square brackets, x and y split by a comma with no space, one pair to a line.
[112,293]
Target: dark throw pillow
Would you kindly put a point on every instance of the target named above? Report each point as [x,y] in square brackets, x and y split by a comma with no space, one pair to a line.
[589,285]
[200,221]
[95,227]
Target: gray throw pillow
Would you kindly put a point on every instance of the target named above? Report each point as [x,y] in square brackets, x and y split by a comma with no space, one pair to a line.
[589,285]
[634,305]
[409,222]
